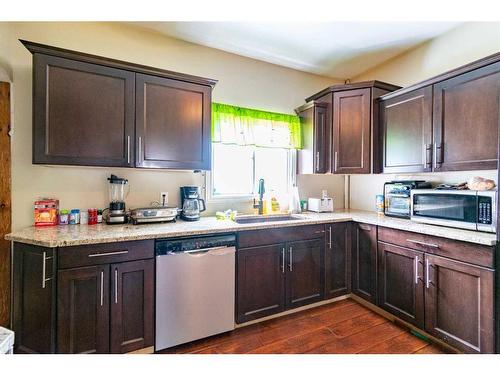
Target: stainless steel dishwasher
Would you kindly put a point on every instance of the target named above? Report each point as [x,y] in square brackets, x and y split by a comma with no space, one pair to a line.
[195,282]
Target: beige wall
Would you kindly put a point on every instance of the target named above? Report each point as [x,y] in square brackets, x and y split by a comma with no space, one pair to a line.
[242,81]
[462,45]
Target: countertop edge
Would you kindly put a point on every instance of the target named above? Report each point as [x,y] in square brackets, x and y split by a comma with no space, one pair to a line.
[365,217]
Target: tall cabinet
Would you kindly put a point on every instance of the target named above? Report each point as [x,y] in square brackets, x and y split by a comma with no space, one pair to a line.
[346,134]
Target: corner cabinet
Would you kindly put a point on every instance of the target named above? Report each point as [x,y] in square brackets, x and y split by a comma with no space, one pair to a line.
[364,261]
[428,127]
[93,111]
[337,260]
[348,141]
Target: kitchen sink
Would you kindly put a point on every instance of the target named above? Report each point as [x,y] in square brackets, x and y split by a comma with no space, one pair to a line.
[251,219]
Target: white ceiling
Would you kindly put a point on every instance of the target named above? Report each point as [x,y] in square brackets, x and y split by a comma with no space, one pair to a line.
[335,49]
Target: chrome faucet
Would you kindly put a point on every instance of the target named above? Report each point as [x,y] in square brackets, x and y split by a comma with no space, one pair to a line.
[261,192]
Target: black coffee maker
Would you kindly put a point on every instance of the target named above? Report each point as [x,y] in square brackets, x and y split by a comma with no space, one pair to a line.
[191,203]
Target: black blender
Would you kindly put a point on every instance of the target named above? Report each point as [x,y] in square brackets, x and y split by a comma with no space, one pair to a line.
[117,213]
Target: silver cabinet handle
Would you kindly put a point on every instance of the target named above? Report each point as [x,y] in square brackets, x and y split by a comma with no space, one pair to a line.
[45,258]
[102,288]
[128,149]
[319,232]
[116,285]
[427,276]
[336,160]
[329,237]
[140,149]
[423,243]
[317,161]
[428,155]
[416,270]
[438,154]
[290,253]
[95,255]
[283,260]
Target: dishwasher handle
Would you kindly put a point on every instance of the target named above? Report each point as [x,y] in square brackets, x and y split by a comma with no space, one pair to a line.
[218,250]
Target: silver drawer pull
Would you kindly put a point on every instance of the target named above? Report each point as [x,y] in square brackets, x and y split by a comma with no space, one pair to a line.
[116,285]
[283,260]
[427,276]
[107,254]
[329,237]
[102,288]
[290,261]
[423,243]
[319,232]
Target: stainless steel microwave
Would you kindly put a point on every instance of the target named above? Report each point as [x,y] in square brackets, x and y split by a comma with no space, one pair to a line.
[465,209]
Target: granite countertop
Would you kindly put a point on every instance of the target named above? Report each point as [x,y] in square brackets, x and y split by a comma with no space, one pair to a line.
[71,235]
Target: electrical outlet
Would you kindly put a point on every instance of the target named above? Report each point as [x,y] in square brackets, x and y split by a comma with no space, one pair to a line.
[164,198]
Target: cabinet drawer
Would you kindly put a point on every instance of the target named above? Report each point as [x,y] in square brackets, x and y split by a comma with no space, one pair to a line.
[87,255]
[463,251]
[263,237]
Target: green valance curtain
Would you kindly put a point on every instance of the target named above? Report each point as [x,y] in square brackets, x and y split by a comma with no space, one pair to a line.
[245,126]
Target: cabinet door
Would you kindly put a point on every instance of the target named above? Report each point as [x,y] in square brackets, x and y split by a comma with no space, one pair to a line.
[465,119]
[407,132]
[351,131]
[260,282]
[305,272]
[459,304]
[132,296]
[83,114]
[172,124]
[34,299]
[83,310]
[321,149]
[400,282]
[364,261]
[337,260]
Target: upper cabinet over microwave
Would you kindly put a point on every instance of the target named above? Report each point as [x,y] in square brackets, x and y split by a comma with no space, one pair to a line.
[344,121]
[447,123]
[94,111]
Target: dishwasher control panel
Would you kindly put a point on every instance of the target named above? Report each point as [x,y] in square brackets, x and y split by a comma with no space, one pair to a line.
[163,247]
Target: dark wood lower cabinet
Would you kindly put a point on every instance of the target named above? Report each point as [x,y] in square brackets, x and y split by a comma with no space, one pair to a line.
[459,304]
[337,260]
[83,310]
[400,282]
[34,305]
[364,261]
[305,272]
[132,288]
[260,282]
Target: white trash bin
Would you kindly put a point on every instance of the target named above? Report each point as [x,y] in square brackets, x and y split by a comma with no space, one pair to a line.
[6,341]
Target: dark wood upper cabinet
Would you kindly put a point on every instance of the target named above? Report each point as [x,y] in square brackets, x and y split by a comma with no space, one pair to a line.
[364,261]
[459,303]
[446,123]
[352,144]
[314,155]
[406,123]
[132,300]
[95,111]
[83,310]
[466,108]
[305,272]
[337,260]
[351,131]
[400,282]
[260,281]
[83,114]
[173,123]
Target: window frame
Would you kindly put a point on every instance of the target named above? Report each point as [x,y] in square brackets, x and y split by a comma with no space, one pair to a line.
[291,178]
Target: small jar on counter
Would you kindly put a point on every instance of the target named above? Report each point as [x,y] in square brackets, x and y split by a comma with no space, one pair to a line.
[63,217]
[99,216]
[84,217]
[92,216]
[74,216]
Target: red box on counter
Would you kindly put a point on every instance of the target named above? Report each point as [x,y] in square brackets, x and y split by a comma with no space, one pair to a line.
[46,211]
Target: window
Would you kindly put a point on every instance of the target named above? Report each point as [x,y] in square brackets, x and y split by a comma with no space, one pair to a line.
[250,144]
[236,170]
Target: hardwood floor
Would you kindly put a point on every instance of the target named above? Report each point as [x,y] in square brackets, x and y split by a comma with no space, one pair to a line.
[343,327]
